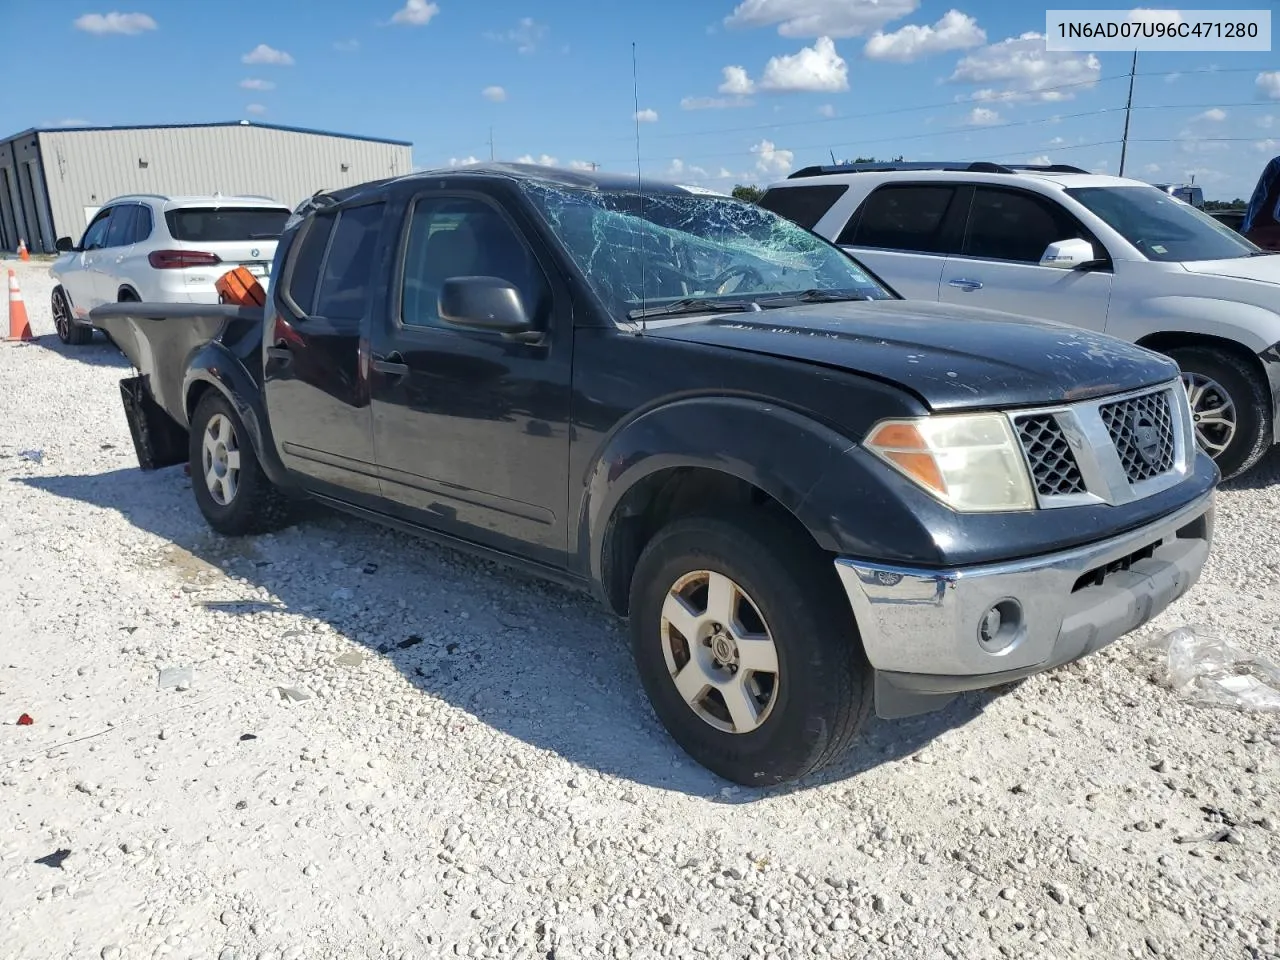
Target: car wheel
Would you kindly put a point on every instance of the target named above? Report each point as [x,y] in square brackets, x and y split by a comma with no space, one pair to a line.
[1230,407]
[230,487]
[747,648]
[69,332]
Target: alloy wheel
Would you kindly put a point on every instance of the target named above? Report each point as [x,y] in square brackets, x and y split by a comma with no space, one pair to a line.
[1213,413]
[220,459]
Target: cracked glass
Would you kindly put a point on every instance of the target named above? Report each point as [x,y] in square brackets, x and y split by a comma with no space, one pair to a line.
[670,251]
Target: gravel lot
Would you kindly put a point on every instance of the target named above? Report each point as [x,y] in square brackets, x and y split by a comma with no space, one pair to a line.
[476,772]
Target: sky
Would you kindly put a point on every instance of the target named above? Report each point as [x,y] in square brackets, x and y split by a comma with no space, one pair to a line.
[727,91]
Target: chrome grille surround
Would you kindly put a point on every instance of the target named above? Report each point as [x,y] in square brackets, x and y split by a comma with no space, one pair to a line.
[1109,450]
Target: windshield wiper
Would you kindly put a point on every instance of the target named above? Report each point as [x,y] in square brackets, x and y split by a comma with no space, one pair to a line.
[812,296]
[692,305]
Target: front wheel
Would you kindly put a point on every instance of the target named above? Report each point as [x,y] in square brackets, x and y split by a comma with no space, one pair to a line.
[69,332]
[1230,407]
[230,487]
[747,648]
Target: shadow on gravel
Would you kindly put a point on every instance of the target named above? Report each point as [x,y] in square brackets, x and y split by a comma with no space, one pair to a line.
[533,660]
[1265,473]
[100,352]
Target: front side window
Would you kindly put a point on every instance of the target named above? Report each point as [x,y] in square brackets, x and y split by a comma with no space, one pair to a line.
[1161,227]
[463,237]
[1015,225]
[344,282]
[902,217]
[96,236]
[640,250]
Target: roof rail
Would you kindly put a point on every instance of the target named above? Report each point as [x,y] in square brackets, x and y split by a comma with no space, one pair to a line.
[980,166]
[138,196]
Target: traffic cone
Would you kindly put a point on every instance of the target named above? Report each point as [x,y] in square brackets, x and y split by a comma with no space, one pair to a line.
[23,255]
[19,325]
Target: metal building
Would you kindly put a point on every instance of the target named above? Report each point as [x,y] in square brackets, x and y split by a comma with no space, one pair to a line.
[53,181]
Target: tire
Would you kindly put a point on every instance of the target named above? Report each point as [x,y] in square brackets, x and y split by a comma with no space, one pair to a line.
[245,501]
[809,710]
[1212,375]
[69,332]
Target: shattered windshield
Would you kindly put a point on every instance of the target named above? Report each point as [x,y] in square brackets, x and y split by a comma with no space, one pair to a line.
[668,253]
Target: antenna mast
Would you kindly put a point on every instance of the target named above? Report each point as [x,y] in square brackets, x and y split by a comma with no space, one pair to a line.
[635,86]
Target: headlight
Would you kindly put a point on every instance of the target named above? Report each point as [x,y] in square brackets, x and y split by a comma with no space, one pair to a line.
[971,462]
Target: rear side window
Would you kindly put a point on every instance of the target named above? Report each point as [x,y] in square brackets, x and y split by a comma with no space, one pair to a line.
[908,217]
[120,233]
[804,206]
[304,275]
[344,283]
[142,224]
[226,224]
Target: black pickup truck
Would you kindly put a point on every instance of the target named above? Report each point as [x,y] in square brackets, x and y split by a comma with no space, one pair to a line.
[805,492]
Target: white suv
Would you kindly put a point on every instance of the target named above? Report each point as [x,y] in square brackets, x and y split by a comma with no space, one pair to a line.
[1058,243]
[154,248]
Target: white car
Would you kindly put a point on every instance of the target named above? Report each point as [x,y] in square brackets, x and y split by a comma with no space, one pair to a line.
[1055,242]
[156,248]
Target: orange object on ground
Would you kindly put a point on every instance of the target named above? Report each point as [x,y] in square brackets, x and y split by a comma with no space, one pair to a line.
[19,325]
[241,287]
[22,251]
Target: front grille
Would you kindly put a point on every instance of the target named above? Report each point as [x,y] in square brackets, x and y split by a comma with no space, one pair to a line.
[1053,465]
[1142,430]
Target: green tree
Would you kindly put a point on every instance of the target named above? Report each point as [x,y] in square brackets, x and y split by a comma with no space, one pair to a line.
[747,192]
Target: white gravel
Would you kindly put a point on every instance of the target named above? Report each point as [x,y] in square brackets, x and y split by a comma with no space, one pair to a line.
[465,765]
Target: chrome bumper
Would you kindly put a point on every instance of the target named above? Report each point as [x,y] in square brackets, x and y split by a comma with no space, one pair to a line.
[930,634]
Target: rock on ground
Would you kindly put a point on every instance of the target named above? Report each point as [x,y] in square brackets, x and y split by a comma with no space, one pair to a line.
[485,778]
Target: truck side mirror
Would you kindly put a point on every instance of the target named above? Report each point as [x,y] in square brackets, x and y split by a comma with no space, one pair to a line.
[483,303]
[65,245]
[1069,255]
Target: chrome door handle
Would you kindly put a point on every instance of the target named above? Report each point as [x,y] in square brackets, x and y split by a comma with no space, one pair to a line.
[393,365]
[966,284]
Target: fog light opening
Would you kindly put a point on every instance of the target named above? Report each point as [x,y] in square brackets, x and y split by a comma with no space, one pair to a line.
[1000,626]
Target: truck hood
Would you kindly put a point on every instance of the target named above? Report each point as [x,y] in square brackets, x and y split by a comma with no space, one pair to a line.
[952,357]
[1263,269]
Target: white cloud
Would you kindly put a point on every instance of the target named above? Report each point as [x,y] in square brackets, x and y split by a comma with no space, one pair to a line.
[126,23]
[1027,69]
[585,165]
[645,116]
[542,161]
[1057,141]
[265,54]
[816,69]
[820,18]
[955,31]
[495,93]
[1040,161]
[772,161]
[681,170]
[736,82]
[347,46]
[415,13]
[1151,169]
[982,117]
[1269,84]
[827,110]
[71,122]
[714,103]
[464,162]
[1266,146]
[526,35]
[256,109]
[1267,122]
[255,84]
[1189,141]
[1215,115]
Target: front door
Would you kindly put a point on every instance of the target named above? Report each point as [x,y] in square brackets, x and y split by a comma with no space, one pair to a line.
[998,266]
[316,384]
[108,270]
[81,280]
[472,428]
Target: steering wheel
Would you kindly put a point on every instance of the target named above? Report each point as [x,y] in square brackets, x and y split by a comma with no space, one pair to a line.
[746,271]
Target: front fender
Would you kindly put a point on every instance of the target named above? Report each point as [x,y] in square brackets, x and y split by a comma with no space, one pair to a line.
[780,451]
[213,366]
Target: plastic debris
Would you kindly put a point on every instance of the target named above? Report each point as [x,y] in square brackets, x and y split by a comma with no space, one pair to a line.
[33,456]
[293,694]
[25,720]
[352,658]
[1210,672]
[54,859]
[176,678]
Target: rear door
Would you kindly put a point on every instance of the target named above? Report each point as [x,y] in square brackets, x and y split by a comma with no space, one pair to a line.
[315,370]
[110,265]
[904,231]
[998,266]
[239,236]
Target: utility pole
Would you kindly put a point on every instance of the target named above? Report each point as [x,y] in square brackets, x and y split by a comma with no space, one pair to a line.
[491,143]
[1128,107]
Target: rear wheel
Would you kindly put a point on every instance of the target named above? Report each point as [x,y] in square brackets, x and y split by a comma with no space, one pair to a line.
[230,487]
[69,332]
[1230,407]
[747,648]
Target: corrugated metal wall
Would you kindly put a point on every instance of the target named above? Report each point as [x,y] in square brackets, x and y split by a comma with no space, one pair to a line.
[83,169]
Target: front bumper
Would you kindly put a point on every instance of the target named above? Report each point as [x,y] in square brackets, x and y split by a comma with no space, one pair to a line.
[923,630]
